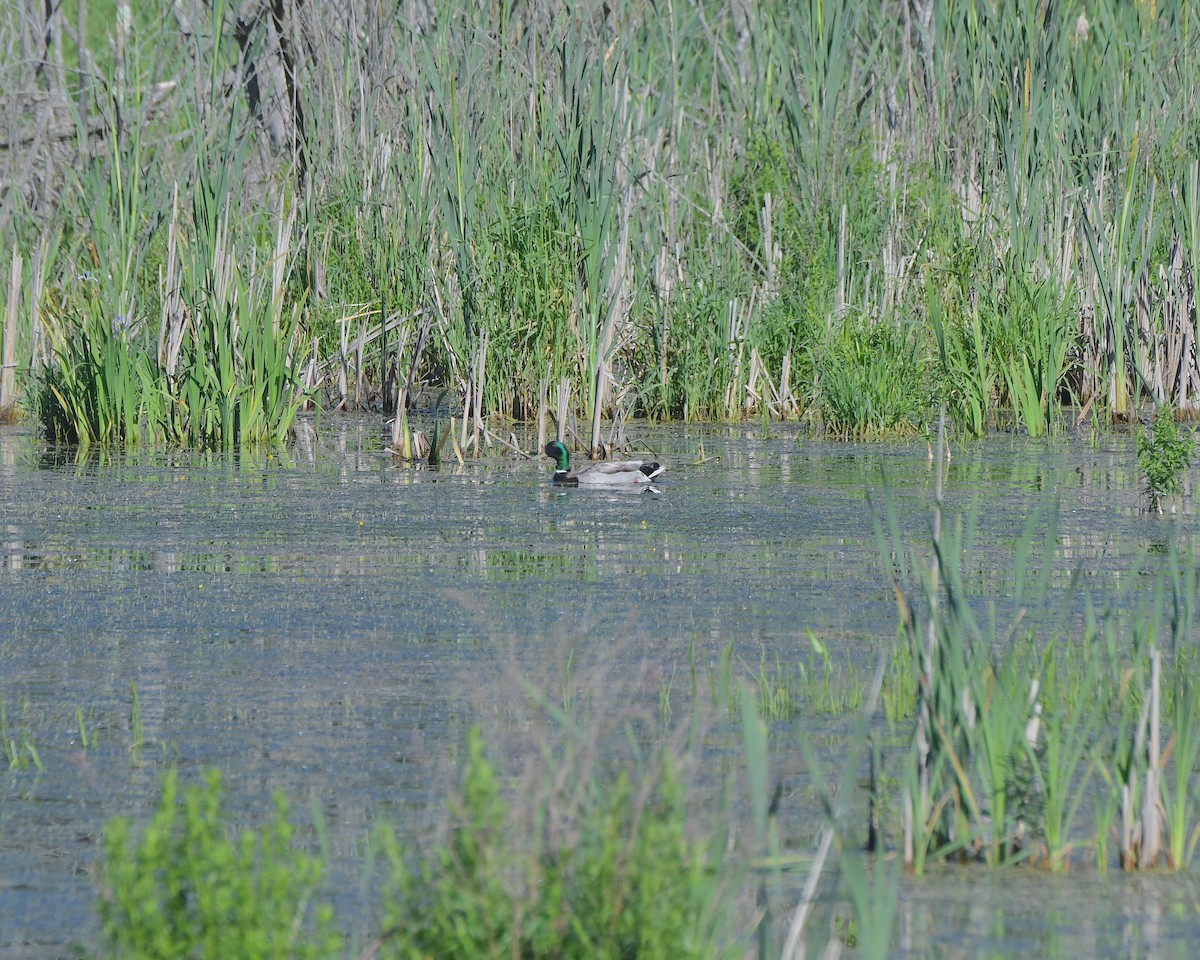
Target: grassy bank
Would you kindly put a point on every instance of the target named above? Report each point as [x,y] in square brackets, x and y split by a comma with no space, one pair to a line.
[843,212]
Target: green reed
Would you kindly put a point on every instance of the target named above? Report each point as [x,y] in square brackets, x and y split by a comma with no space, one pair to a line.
[1031,342]
[136,727]
[1020,728]
[10,746]
[1065,756]
[968,373]
[221,364]
[19,756]
[874,891]
[869,380]
[87,733]
[673,211]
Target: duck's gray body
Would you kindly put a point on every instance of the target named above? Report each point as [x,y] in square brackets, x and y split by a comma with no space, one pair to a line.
[618,473]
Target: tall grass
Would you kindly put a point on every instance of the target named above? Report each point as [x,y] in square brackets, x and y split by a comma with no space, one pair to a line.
[1023,724]
[677,211]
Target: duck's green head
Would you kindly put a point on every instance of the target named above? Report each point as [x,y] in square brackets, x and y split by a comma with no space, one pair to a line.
[556,450]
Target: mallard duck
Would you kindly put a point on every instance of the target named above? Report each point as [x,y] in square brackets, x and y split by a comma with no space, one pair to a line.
[617,473]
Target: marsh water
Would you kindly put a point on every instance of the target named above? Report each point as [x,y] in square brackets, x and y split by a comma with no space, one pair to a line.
[326,622]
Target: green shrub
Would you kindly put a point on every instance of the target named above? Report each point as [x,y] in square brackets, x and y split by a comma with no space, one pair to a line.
[187,888]
[597,866]
[1164,456]
[612,875]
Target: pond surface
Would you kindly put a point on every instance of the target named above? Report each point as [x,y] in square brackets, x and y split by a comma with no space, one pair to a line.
[326,622]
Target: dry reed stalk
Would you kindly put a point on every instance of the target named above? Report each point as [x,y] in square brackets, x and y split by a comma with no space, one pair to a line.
[343,368]
[772,251]
[617,294]
[839,304]
[753,397]
[1131,825]
[478,374]
[359,373]
[42,257]
[1151,822]
[81,42]
[786,399]
[174,314]
[466,417]
[8,358]
[370,334]
[564,400]
[458,454]
[285,225]
[543,390]
[793,949]
[739,322]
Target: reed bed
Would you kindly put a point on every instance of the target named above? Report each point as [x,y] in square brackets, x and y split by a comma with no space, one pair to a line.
[1080,702]
[694,211]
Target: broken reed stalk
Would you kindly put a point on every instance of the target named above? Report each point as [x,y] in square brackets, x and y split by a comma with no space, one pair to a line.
[564,400]
[793,949]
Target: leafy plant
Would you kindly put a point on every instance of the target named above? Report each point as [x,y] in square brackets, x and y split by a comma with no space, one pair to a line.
[185,887]
[968,378]
[620,878]
[1164,457]
[94,391]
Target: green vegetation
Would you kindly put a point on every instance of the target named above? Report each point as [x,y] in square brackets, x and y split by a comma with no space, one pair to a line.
[706,211]
[19,755]
[185,887]
[1164,457]
[610,870]
[1015,724]
[612,873]
[816,686]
